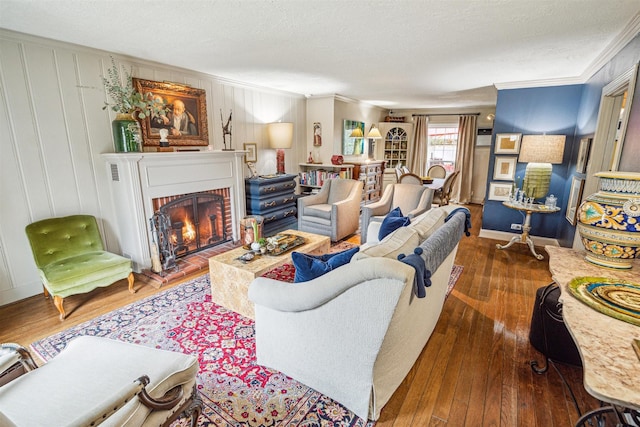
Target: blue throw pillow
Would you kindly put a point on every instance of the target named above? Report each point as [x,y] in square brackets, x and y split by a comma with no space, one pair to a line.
[391,222]
[308,267]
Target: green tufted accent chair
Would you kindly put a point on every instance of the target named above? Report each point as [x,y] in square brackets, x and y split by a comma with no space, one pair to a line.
[71,259]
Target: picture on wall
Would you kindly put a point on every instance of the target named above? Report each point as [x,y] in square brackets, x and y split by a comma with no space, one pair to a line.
[508,143]
[353,138]
[185,118]
[317,134]
[505,168]
[500,191]
[575,195]
[583,155]
[252,155]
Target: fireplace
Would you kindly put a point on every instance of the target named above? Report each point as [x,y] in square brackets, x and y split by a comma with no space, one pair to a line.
[200,195]
[195,221]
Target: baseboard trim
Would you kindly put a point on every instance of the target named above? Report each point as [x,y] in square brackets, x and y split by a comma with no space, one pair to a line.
[505,236]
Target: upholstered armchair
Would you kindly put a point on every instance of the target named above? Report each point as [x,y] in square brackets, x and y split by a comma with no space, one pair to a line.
[334,211]
[98,380]
[71,259]
[411,199]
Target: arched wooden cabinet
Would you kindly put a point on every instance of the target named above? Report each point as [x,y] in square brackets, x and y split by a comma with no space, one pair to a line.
[394,146]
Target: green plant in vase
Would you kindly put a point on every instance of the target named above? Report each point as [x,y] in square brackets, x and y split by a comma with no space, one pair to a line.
[129,104]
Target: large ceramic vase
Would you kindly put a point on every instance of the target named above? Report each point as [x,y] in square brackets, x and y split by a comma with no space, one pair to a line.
[126,134]
[609,220]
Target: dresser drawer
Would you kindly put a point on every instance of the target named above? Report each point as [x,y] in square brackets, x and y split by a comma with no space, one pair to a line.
[269,202]
[283,212]
[254,189]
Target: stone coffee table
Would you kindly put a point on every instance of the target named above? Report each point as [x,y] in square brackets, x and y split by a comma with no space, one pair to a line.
[230,278]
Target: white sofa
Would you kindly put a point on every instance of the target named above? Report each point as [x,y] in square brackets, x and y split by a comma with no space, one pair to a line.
[354,333]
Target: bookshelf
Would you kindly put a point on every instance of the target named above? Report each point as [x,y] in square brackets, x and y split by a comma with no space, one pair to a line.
[313,175]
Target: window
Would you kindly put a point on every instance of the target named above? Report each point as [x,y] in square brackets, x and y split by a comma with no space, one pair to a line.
[442,145]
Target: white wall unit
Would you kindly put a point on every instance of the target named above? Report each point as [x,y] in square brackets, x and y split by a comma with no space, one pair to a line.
[54,132]
[394,147]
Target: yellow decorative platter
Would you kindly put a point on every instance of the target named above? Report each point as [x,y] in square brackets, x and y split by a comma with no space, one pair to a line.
[619,299]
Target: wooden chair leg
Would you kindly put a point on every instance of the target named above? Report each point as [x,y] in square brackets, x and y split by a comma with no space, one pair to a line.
[59,303]
[46,292]
[131,279]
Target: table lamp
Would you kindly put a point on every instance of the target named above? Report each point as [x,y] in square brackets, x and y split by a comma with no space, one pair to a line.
[280,137]
[540,152]
[374,133]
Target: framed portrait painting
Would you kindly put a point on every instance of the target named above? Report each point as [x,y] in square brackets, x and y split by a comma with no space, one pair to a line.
[186,114]
[575,195]
[508,143]
[505,168]
[500,191]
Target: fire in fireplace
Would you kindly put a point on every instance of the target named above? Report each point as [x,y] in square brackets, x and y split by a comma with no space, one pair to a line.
[188,223]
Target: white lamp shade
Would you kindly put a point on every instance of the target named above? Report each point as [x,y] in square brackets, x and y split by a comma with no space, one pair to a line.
[374,133]
[356,133]
[280,135]
[542,149]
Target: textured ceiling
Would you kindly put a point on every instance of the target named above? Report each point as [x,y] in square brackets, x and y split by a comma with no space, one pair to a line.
[399,54]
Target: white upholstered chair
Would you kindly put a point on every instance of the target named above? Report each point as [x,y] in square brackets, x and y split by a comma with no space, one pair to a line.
[98,380]
[411,199]
[334,211]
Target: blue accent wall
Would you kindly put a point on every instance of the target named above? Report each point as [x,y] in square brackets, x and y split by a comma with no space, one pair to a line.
[534,111]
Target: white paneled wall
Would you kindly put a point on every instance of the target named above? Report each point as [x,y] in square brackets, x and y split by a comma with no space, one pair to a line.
[54,129]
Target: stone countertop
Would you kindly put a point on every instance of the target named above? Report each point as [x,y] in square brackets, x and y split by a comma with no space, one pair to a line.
[611,367]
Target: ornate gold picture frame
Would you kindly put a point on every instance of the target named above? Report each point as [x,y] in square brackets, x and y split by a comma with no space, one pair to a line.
[186,118]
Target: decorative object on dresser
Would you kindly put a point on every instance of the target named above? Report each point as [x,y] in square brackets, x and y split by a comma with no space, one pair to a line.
[185,118]
[608,220]
[370,172]
[280,137]
[272,197]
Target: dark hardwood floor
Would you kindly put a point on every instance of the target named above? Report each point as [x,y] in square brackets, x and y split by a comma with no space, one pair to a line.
[474,371]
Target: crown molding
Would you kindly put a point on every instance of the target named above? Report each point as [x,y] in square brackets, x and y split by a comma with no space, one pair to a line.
[631,30]
[540,83]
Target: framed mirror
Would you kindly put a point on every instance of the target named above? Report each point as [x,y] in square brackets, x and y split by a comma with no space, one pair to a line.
[353,138]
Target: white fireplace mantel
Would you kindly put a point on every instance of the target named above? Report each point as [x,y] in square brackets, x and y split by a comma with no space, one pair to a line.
[137,178]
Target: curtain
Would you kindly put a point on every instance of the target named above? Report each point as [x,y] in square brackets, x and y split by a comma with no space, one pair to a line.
[418,154]
[467,131]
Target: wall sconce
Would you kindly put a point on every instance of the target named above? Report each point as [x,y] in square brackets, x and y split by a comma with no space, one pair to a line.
[540,152]
[374,133]
[280,137]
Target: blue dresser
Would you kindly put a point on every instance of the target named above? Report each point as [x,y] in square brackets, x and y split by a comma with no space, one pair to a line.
[274,199]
